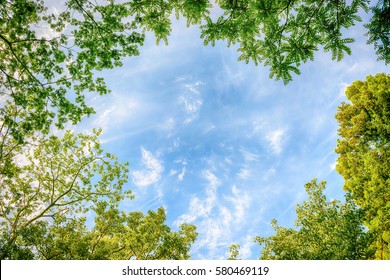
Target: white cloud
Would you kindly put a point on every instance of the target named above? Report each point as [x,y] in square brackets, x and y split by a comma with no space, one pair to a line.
[241,201]
[152,172]
[172,172]
[248,156]
[246,247]
[244,174]
[275,140]
[180,177]
[226,215]
[343,87]
[191,101]
[119,109]
[215,218]
[202,208]
[211,219]
[269,173]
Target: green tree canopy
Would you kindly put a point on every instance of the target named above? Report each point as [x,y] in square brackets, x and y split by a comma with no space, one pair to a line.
[364,154]
[115,235]
[56,182]
[324,230]
[54,178]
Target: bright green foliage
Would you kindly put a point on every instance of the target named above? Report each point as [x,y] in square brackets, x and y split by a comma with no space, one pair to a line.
[379,30]
[324,230]
[139,236]
[115,235]
[48,192]
[56,179]
[234,251]
[364,154]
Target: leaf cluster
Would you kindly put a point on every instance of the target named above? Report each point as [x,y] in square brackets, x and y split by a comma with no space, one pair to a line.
[379,30]
[364,153]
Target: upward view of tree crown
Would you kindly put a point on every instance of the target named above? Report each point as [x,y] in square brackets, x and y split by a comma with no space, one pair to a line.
[364,154]
[325,230]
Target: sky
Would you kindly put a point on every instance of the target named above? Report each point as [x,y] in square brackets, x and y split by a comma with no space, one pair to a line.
[217,142]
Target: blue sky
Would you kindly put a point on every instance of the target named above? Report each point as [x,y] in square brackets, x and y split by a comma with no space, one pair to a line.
[218,143]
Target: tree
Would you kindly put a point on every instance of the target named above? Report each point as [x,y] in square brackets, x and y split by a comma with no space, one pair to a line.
[57,178]
[141,237]
[115,235]
[55,184]
[45,73]
[364,154]
[324,230]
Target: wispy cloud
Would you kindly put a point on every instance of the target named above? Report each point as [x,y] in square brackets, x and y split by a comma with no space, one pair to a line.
[191,101]
[216,217]
[114,110]
[241,201]
[246,247]
[249,156]
[180,177]
[269,173]
[244,174]
[202,208]
[275,140]
[152,170]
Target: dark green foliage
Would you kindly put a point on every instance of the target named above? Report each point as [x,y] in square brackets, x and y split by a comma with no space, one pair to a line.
[379,30]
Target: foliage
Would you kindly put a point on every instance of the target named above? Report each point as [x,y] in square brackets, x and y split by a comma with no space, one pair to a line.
[115,235]
[141,237]
[379,30]
[364,154]
[49,64]
[56,178]
[61,181]
[234,251]
[283,34]
[324,230]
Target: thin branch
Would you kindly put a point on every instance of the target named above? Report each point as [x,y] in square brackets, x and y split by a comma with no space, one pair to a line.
[19,60]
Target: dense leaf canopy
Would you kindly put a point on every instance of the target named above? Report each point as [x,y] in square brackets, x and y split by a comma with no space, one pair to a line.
[364,153]
[55,184]
[324,230]
[56,178]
